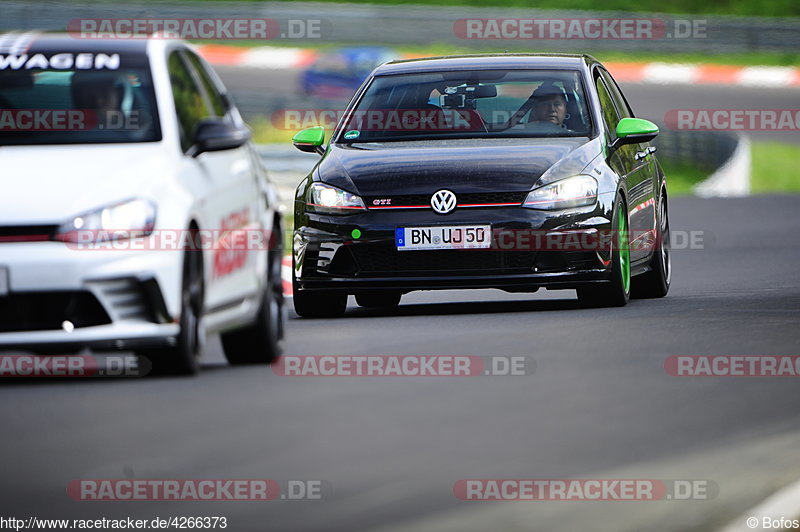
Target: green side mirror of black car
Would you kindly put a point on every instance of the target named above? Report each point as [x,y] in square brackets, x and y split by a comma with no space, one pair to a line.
[310,139]
[634,131]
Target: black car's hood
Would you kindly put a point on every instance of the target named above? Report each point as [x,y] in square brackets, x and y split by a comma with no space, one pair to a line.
[475,165]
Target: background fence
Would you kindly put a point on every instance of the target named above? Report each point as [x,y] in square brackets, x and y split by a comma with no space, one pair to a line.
[419,25]
[414,24]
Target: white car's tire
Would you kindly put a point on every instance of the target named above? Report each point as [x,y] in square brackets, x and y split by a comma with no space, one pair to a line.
[184,357]
[261,342]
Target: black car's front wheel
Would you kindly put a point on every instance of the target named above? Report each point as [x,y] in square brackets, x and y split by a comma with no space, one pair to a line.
[655,283]
[617,291]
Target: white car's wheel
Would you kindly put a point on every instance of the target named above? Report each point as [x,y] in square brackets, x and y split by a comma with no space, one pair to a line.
[184,357]
[261,342]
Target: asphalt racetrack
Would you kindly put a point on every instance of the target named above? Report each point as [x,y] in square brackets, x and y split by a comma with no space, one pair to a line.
[389,450]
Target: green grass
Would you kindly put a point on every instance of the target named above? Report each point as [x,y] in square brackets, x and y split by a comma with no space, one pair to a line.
[288,231]
[265,133]
[681,177]
[760,8]
[774,168]
[738,59]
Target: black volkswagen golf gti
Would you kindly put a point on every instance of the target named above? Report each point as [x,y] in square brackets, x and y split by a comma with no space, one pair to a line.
[489,171]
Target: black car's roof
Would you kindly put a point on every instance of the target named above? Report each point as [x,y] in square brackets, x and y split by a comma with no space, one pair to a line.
[485,62]
[52,43]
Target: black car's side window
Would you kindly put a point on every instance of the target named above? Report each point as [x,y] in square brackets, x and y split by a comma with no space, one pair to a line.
[616,94]
[607,108]
[189,103]
[214,96]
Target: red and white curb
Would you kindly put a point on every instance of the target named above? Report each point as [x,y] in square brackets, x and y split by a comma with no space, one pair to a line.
[732,179]
[286,275]
[268,57]
[274,57]
[674,73]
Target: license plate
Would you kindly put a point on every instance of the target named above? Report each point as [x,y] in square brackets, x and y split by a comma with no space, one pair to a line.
[444,237]
[3,281]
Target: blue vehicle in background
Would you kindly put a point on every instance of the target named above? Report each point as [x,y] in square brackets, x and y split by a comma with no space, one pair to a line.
[337,74]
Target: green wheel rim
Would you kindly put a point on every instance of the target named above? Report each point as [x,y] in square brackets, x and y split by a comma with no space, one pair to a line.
[624,248]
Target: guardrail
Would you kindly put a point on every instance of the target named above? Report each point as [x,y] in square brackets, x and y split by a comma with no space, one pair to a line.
[707,150]
[415,24]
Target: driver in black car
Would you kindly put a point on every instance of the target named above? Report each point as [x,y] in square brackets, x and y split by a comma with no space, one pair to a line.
[549,105]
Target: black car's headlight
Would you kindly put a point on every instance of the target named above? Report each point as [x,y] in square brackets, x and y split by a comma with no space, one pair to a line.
[576,191]
[326,199]
[129,219]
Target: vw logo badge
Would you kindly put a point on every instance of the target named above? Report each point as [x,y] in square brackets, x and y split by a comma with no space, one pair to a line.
[443,201]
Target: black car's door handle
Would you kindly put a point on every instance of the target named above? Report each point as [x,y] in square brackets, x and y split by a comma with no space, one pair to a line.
[644,153]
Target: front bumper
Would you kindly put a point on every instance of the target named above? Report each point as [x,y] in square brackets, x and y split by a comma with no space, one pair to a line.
[117,336]
[328,257]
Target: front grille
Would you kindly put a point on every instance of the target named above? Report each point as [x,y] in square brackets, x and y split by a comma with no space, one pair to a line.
[27,233]
[424,200]
[40,311]
[384,258]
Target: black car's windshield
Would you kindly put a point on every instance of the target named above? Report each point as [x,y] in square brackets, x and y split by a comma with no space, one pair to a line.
[470,104]
[77,106]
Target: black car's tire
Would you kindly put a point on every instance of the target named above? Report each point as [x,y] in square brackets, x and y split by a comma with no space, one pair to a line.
[378,299]
[262,341]
[318,304]
[655,283]
[617,291]
[184,357]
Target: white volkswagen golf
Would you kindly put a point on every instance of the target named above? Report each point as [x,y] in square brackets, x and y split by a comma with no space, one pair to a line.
[134,211]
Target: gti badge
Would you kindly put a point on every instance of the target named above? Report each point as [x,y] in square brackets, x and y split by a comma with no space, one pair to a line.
[443,201]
